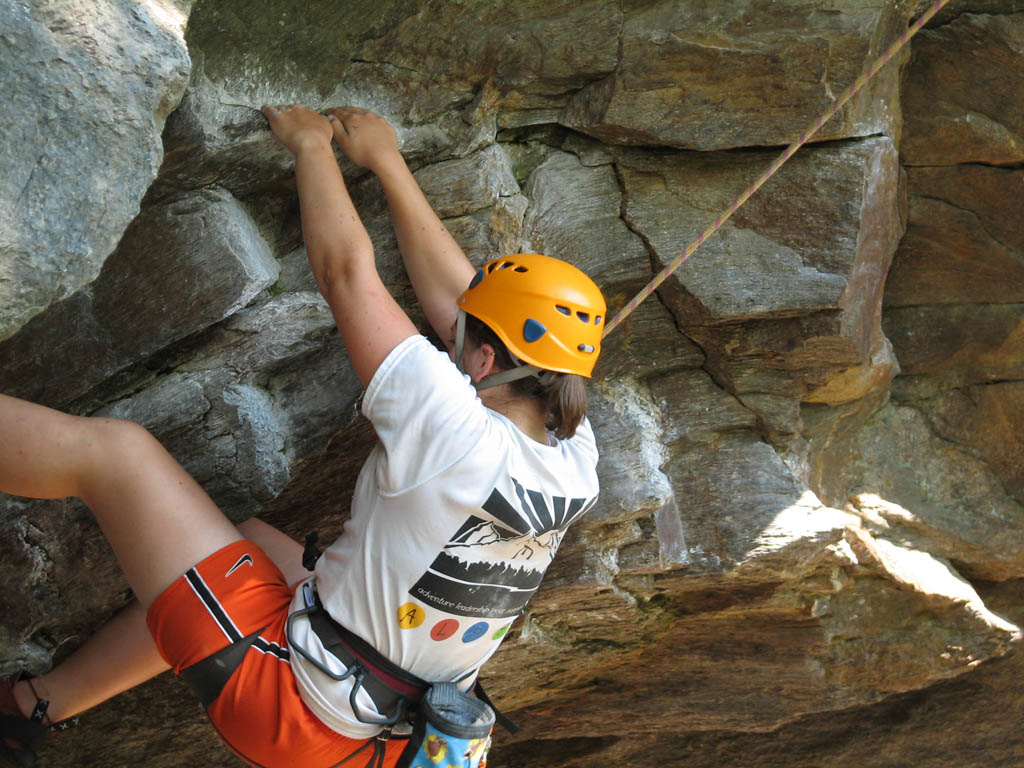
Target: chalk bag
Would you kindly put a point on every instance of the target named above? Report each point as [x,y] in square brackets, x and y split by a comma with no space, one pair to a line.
[452,730]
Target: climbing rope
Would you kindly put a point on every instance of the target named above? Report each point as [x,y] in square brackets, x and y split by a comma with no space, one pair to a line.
[868,73]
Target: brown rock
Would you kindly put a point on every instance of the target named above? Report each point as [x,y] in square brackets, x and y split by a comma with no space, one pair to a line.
[741,74]
[940,498]
[964,243]
[962,93]
[962,344]
[710,591]
[988,420]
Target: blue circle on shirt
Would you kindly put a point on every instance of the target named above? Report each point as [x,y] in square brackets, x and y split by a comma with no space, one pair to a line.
[475,632]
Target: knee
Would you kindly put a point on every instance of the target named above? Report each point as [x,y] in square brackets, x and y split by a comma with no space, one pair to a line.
[118,442]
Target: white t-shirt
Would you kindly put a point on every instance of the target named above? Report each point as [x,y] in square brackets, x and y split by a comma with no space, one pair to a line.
[455,517]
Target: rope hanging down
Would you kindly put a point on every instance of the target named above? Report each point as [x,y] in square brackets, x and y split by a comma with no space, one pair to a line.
[868,73]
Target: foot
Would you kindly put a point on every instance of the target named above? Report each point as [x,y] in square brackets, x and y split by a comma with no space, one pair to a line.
[19,735]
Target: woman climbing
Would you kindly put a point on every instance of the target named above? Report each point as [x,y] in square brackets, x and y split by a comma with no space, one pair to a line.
[480,468]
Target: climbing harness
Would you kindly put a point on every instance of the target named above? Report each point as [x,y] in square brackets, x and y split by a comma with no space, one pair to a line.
[426,714]
[791,150]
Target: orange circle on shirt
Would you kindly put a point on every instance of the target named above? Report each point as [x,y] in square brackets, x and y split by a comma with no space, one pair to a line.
[411,615]
[444,629]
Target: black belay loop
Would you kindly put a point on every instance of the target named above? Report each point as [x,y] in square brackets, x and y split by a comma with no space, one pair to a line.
[311,552]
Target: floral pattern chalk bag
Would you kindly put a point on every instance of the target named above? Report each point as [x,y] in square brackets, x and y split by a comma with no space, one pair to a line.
[452,730]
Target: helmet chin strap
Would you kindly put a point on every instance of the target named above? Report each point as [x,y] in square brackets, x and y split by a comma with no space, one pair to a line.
[521,371]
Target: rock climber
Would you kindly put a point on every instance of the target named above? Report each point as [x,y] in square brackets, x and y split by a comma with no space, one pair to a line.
[485,457]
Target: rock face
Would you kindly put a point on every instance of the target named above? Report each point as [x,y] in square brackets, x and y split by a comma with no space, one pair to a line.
[86,90]
[809,547]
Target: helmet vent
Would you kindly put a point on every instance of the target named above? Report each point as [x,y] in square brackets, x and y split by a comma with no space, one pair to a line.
[597,320]
[584,316]
[521,269]
[564,310]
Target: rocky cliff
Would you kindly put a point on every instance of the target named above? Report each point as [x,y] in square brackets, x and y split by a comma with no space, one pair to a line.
[809,550]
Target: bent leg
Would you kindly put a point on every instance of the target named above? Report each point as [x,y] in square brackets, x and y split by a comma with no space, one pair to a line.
[122,653]
[159,522]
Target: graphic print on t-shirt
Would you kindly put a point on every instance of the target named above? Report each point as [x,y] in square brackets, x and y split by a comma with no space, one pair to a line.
[491,569]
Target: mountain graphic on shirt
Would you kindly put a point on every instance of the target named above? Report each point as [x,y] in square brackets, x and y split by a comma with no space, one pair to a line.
[491,568]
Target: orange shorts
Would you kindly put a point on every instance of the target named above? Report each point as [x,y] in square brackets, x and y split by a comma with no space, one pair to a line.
[238,598]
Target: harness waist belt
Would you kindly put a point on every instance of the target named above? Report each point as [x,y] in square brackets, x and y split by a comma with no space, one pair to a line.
[386,682]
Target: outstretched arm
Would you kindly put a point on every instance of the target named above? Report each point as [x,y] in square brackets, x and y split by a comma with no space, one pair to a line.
[340,252]
[438,269]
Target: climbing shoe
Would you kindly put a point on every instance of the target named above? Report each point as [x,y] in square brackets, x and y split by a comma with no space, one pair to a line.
[20,736]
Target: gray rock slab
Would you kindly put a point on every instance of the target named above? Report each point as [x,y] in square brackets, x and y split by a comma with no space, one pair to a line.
[816,236]
[264,391]
[85,92]
[458,187]
[529,52]
[180,268]
[631,442]
[575,214]
[479,200]
[215,137]
[731,490]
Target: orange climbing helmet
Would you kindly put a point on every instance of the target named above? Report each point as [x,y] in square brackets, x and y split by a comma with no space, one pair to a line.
[548,313]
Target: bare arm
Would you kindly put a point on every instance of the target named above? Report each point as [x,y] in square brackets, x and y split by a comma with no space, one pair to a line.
[340,252]
[437,267]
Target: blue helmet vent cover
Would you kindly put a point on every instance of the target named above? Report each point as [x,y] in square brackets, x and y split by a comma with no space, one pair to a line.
[532,330]
[476,279]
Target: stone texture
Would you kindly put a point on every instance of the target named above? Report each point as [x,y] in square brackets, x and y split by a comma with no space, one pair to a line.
[851,603]
[770,260]
[479,200]
[720,76]
[563,189]
[792,547]
[529,52]
[987,421]
[963,245]
[265,391]
[976,115]
[945,501]
[86,90]
[938,341]
[968,721]
[179,269]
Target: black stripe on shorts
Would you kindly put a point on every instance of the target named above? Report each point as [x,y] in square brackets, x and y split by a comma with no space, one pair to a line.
[212,604]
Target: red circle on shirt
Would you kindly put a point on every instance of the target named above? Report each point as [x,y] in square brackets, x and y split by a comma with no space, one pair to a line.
[444,629]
